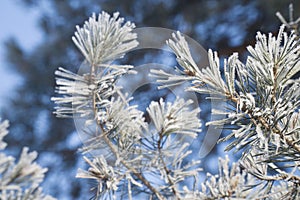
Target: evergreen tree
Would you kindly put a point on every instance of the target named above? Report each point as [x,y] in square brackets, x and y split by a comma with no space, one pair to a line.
[132,158]
[228,26]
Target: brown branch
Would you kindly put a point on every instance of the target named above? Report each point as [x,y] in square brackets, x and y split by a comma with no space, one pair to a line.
[159,147]
[275,68]
[276,129]
[134,171]
[280,177]
[114,150]
[124,163]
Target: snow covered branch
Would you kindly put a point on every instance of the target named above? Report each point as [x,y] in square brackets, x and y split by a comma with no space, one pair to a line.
[150,159]
[21,179]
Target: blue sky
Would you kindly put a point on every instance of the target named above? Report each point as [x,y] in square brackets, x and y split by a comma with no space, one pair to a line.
[18,22]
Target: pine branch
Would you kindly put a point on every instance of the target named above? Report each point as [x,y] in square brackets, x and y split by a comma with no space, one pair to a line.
[262,109]
[20,180]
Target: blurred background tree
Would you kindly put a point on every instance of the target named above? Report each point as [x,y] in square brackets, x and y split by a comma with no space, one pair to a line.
[225,26]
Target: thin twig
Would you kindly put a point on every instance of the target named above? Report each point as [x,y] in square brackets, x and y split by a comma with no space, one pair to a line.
[136,173]
[124,163]
[276,129]
[159,147]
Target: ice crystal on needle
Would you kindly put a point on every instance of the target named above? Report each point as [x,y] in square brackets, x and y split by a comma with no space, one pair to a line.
[104,38]
[150,160]
[174,118]
[20,180]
